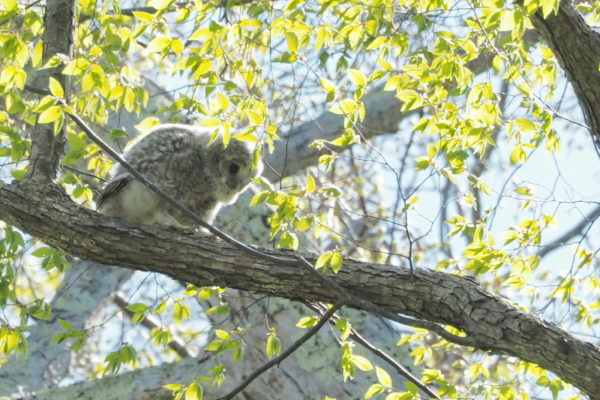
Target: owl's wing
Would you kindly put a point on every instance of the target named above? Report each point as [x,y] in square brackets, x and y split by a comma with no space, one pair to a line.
[114,187]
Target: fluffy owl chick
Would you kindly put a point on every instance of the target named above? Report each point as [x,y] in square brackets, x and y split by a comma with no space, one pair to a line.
[179,160]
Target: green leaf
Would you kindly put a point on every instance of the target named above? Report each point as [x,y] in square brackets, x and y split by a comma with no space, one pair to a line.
[411,387]
[310,183]
[173,386]
[76,67]
[518,155]
[273,346]
[307,322]
[336,261]
[286,58]
[374,390]
[144,16]
[289,240]
[226,128]
[346,106]
[147,123]
[523,190]
[399,396]
[194,392]
[19,174]
[42,252]
[323,260]
[160,5]
[526,125]
[137,307]
[383,377]
[357,77]
[72,157]
[259,198]
[201,34]
[56,88]
[361,362]
[378,42]
[210,122]
[221,334]
[177,46]
[292,41]
[158,44]
[66,326]
[50,115]
[407,96]
[75,141]
[246,137]
[181,312]
[254,118]
[327,85]
[548,6]
[12,76]
[345,326]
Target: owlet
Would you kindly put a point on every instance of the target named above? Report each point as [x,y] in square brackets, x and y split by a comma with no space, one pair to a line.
[180,161]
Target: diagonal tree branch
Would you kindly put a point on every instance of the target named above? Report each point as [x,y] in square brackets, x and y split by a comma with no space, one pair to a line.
[400,369]
[142,384]
[491,322]
[275,361]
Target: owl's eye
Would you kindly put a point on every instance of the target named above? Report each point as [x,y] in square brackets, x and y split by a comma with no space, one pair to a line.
[234,168]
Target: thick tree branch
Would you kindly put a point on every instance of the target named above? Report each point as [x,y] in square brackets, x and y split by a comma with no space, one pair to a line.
[142,384]
[292,153]
[494,325]
[382,116]
[577,48]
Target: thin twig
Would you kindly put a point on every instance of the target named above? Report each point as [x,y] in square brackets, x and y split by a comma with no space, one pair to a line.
[571,233]
[176,344]
[275,361]
[400,369]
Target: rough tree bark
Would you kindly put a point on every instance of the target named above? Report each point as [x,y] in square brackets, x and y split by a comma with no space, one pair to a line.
[577,48]
[491,323]
[47,148]
[311,372]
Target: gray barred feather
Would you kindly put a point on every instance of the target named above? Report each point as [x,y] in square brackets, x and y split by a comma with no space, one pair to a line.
[179,160]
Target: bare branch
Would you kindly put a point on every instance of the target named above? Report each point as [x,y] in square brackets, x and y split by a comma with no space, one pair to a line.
[400,369]
[571,233]
[275,361]
[176,344]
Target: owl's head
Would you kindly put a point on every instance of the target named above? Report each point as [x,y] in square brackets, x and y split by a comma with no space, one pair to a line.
[235,166]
